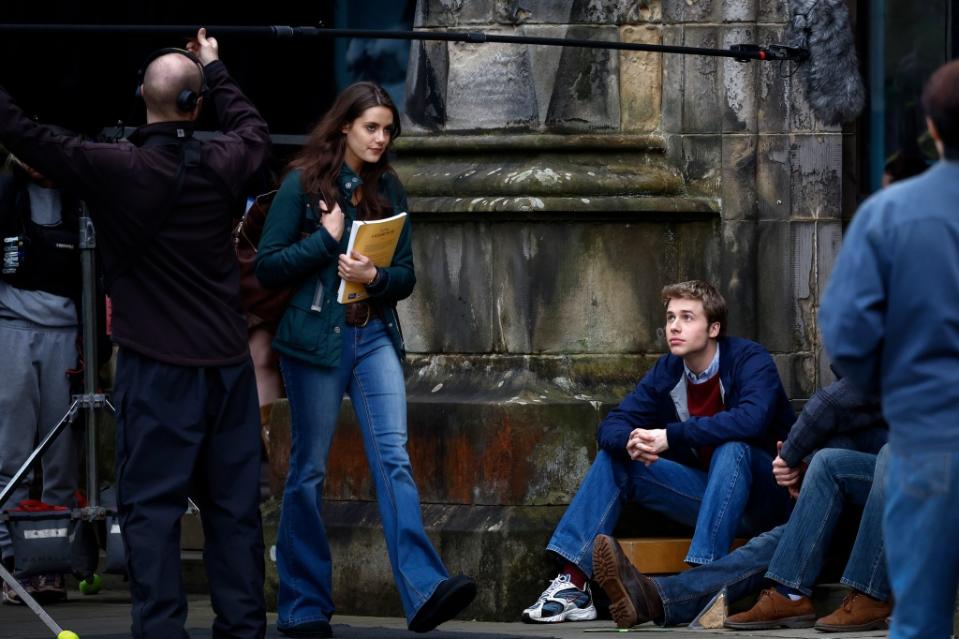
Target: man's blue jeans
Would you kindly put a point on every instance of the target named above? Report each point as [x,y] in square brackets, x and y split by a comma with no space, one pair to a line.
[787,549]
[920,522]
[738,496]
[834,478]
[370,372]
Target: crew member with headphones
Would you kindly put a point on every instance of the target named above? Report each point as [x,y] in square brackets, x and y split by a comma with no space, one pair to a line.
[187,416]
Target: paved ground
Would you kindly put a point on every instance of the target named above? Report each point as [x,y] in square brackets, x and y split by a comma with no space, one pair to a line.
[106,616]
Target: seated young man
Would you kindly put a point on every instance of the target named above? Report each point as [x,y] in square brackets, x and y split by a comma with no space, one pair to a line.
[850,428]
[694,441]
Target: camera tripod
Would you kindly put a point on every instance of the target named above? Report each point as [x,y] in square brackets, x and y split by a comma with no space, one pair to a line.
[90,402]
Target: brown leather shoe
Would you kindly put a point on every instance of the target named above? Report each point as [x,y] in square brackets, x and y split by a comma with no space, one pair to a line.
[773,610]
[633,598]
[858,612]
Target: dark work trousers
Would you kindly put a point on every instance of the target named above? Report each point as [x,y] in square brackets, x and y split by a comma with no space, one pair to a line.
[189,431]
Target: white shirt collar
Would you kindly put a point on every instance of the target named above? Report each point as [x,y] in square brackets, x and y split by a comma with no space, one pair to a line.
[711,371]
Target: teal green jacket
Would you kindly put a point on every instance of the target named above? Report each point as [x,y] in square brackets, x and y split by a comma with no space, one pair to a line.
[296,249]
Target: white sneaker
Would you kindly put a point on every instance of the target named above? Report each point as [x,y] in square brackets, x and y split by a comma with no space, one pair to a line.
[562,601]
[10,595]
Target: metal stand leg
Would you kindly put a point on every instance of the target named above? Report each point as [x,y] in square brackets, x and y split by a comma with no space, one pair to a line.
[39,451]
[30,601]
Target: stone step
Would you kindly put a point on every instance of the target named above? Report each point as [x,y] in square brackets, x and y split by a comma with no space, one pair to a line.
[660,555]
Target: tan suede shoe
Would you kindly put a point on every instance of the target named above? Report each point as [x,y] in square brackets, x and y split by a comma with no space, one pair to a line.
[773,610]
[857,612]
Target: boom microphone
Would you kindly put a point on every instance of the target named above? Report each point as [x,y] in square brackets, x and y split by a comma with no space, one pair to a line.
[834,87]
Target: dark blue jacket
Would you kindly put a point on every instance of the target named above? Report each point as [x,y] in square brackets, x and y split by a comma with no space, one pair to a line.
[890,314]
[756,411]
[836,416]
[285,257]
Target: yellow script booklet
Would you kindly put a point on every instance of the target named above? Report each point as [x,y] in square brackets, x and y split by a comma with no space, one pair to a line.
[376,239]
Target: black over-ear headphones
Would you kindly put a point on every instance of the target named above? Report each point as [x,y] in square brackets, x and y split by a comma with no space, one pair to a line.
[187,99]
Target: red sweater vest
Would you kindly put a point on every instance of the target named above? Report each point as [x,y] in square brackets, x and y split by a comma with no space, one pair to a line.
[704,400]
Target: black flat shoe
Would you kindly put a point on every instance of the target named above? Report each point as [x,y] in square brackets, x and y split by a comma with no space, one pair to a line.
[309,630]
[447,601]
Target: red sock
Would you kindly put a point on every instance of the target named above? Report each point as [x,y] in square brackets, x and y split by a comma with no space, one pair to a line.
[576,576]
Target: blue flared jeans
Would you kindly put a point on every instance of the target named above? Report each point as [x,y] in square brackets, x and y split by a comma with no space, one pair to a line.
[371,373]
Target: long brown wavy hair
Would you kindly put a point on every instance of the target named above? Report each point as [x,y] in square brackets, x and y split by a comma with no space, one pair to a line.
[321,157]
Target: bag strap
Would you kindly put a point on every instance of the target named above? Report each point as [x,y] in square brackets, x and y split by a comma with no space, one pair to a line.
[189,157]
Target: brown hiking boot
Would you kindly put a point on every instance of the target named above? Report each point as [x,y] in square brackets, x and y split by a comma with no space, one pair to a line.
[773,610]
[858,612]
[633,598]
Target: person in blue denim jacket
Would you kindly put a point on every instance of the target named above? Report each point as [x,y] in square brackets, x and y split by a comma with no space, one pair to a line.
[327,348]
[890,322]
[847,471]
[694,441]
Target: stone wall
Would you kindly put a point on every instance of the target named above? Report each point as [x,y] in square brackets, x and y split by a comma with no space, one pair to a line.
[553,192]
[739,133]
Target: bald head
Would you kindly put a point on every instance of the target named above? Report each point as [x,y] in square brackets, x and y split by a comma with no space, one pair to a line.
[164,80]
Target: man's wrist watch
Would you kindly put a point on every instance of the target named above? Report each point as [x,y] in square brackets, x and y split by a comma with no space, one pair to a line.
[375,278]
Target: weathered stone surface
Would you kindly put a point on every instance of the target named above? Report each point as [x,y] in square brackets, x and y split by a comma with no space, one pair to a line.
[556,12]
[740,200]
[452,308]
[544,63]
[686,11]
[786,298]
[702,88]
[426,81]
[774,177]
[852,178]
[737,280]
[619,208]
[516,283]
[586,92]
[827,250]
[602,274]
[740,10]
[640,81]
[816,176]
[773,11]
[774,97]
[549,174]
[798,372]
[490,87]
[674,82]
[801,116]
[577,11]
[453,13]
[587,274]
[613,11]
[702,162]
[740,81]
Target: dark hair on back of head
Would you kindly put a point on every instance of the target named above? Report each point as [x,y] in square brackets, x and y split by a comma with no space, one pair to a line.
[940,101]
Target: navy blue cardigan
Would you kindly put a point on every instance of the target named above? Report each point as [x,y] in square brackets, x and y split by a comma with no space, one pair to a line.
[757,410]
